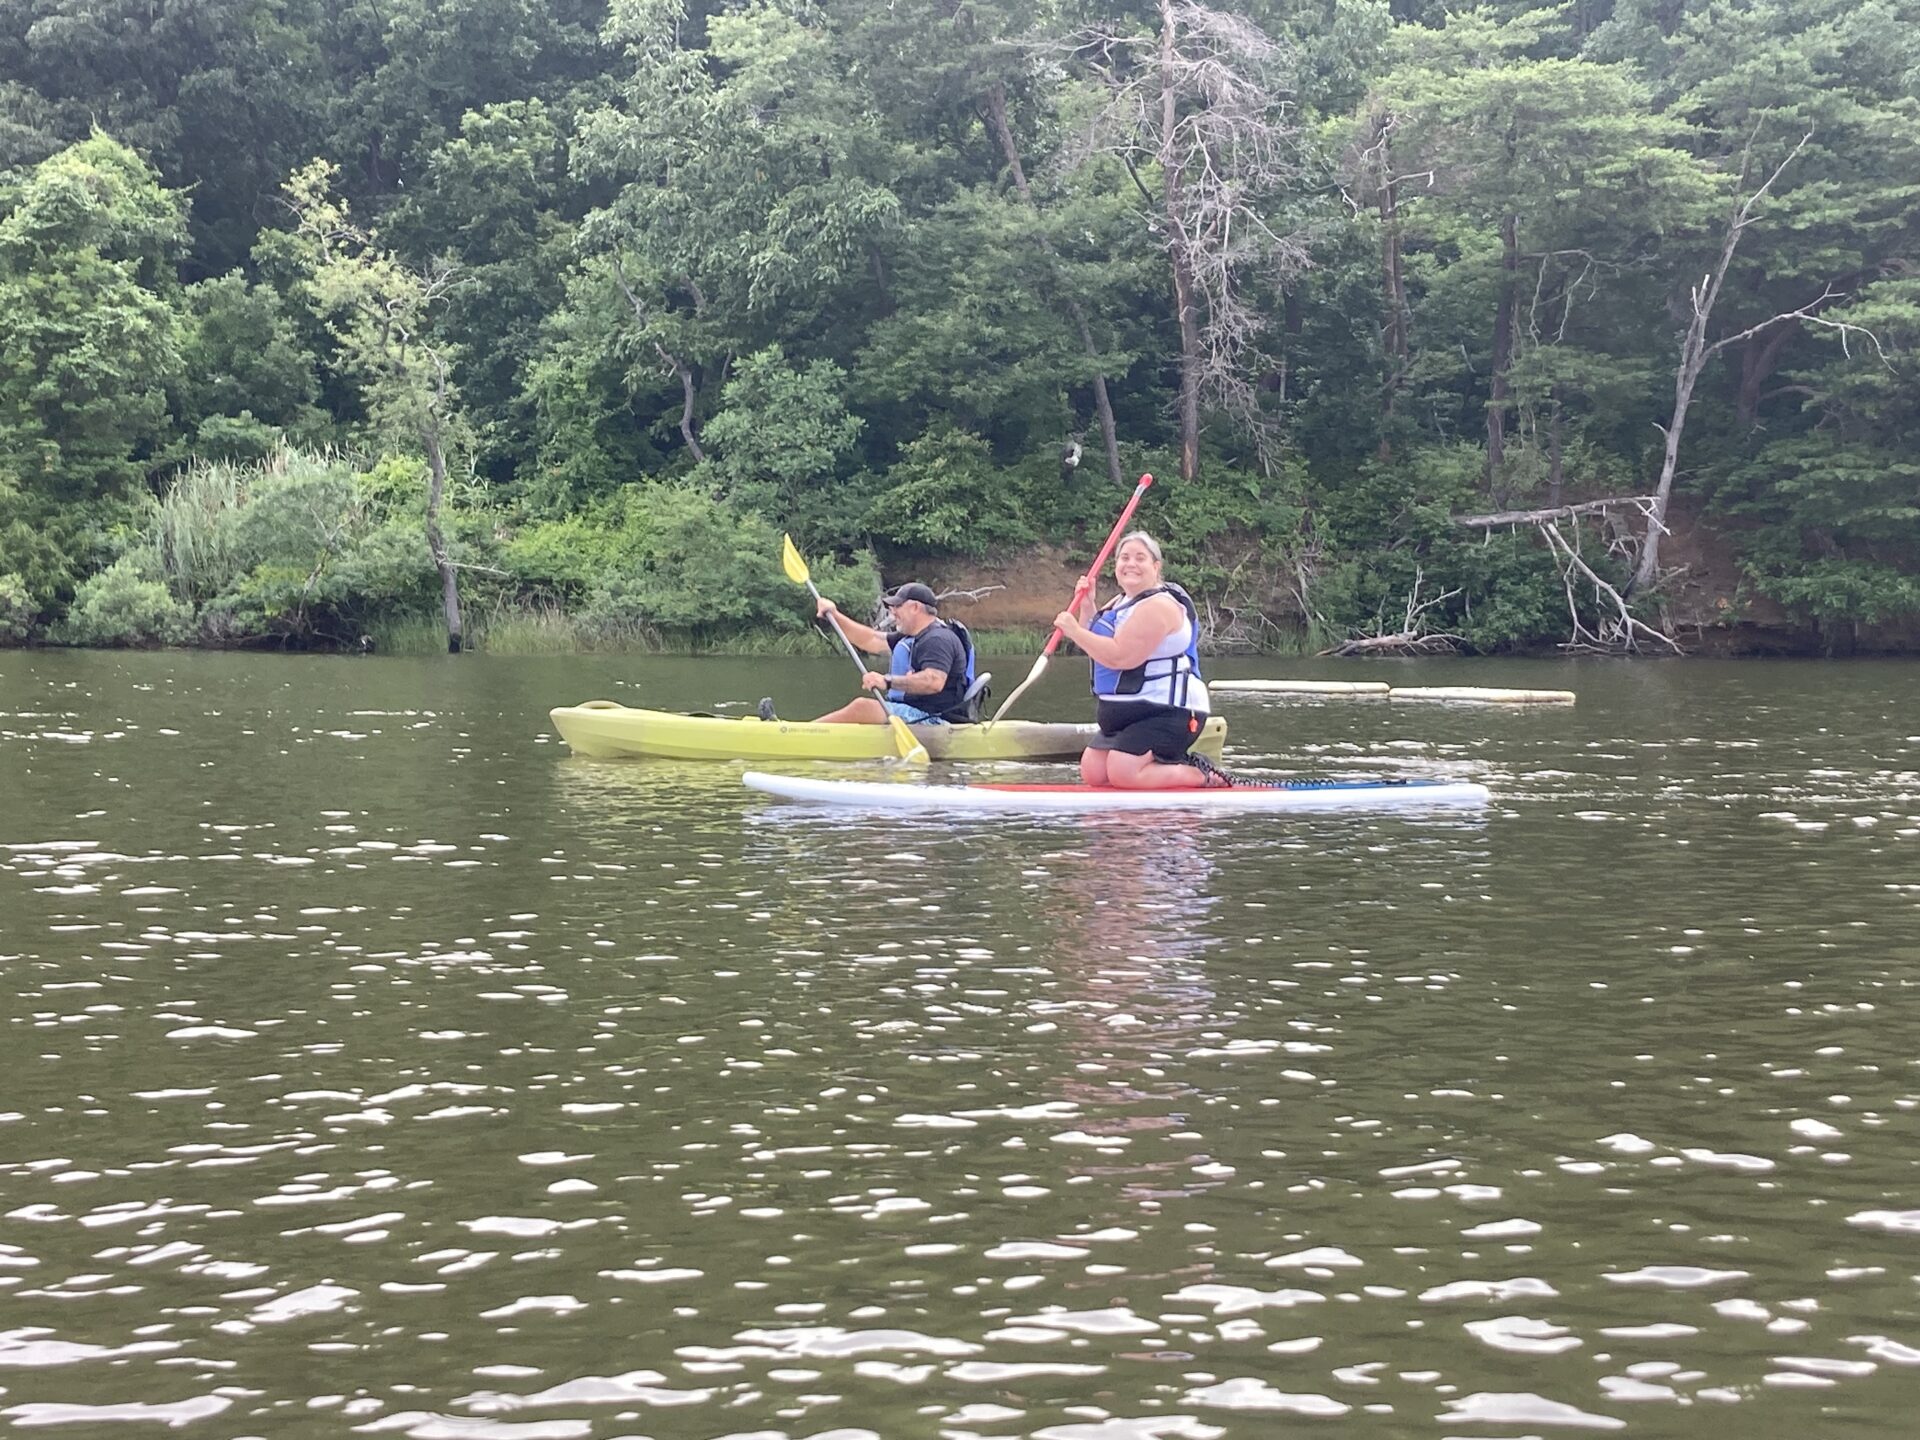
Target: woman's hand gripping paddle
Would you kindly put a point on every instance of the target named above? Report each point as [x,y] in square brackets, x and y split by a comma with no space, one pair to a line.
[908,748]
[1084,588]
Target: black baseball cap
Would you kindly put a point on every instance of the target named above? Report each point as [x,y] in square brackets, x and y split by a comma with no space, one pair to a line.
[912,590]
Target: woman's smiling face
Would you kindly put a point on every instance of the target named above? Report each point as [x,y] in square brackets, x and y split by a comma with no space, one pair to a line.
[1135,567]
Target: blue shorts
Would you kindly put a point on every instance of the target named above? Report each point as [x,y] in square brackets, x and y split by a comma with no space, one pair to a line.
[912,714]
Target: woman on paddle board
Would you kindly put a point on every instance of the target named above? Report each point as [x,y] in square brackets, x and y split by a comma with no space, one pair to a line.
[1151,701]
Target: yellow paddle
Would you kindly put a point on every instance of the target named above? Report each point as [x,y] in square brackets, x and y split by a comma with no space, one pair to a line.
[909,749]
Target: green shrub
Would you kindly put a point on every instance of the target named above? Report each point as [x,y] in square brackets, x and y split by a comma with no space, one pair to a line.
[395,485]
[384,568]
[1509,593]
[48,546]
[17,610]
[125,604]
[692,567]
[192,529]
[945,495]
[569,556]
[296,546]
[1512,596]
[236,437]
[1410,497]
[1837,590]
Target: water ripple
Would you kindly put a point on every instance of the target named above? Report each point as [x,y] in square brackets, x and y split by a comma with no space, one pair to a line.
[376,1068]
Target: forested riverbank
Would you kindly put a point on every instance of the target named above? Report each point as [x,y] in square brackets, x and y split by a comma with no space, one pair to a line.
[1594,324]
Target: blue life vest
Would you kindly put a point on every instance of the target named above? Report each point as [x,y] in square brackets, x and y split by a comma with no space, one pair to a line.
[901,661]
[1162,680]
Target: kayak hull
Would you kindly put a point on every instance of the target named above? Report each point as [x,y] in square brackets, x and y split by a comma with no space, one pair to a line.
[1305,796]
[604,729]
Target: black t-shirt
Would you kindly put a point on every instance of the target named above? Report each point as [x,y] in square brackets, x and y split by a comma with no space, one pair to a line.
[937,648]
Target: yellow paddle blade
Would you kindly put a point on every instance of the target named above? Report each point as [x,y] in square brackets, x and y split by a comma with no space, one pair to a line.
[911,750]
[791,562]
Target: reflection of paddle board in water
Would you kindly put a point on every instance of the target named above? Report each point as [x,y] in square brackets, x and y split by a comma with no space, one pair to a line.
[1302,796]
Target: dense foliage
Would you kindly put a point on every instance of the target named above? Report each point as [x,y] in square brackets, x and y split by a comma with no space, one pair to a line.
[310,315]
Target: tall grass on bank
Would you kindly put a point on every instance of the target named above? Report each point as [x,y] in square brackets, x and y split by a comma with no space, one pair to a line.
[549,630]
[528,630]
[409,635]
[192,528]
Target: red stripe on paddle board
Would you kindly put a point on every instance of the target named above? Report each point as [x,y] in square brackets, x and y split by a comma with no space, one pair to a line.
[1047,789]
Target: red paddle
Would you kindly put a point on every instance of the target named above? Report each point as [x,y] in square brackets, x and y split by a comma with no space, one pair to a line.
[1087,582]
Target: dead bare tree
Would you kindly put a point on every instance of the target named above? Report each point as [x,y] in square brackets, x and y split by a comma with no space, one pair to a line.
[1204,101]
[1413,637]
[1615,631]
[1696,351]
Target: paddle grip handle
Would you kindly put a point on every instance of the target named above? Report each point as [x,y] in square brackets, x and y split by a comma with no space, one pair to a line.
[1092,577]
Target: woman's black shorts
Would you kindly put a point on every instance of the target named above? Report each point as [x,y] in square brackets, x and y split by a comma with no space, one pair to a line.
[1136,727]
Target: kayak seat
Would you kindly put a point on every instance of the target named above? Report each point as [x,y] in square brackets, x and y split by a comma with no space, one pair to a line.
[974,701]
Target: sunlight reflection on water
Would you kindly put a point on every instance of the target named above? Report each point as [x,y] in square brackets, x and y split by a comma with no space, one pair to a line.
[376,1067]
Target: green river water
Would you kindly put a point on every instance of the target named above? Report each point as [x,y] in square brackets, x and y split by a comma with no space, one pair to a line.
[372,1066]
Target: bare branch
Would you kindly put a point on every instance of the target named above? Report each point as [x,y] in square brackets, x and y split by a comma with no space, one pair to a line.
[977,593]
[674,364]
[1413,637]
[1804,312]
[1696,352]
[1557,512]
[1622,628]
[1205,105]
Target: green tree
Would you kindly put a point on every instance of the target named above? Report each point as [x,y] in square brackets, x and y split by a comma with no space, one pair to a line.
[1758,79]
[222,97]
[971,335]
[754,193]
[491,201]
[381,313]
[1838,505]
[782,439]
[1537,188]
[246,383]
[89,342]
[407,72]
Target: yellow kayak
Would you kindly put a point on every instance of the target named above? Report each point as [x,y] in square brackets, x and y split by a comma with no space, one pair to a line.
[606,728]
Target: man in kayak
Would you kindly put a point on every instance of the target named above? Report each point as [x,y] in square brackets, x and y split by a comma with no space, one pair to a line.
[932,662]
[1150,699]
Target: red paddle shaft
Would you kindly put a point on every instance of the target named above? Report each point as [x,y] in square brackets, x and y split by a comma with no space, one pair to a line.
[1092,577]
[1087,583]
